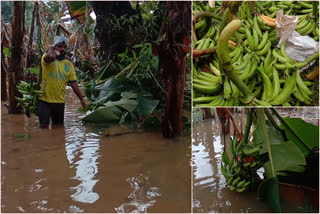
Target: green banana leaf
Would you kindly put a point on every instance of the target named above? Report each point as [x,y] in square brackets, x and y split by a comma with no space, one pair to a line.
[77,11]
[274,136]
[146,106]
[103,115]
[113,110]
[127,104]
[286,157]
[300,132]
[112,88]
[268,192]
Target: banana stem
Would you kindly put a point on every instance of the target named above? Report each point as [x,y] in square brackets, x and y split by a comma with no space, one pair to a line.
[202,52]
[289,129]
[262,120]
[249,97]
[225,60]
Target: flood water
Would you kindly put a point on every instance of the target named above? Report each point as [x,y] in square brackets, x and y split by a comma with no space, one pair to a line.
[210,191]
[78,169]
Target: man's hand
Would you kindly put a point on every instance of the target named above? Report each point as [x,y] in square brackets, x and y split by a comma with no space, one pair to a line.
[50,55]
[75,88]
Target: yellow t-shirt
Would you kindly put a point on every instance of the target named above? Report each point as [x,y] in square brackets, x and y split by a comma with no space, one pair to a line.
[55,76]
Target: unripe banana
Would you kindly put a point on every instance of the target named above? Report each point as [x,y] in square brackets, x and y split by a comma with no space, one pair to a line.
[240,189]
[256,26]
[286,92]
[275,83]
[264,41]
[235,182]
[264,50]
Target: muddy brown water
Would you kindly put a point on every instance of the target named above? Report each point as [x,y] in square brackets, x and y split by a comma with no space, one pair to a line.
[78,169]
[210,191]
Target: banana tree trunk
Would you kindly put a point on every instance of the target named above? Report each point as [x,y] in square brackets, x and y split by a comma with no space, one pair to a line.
[3,81]
[172,54]
[34,12]
[16,68]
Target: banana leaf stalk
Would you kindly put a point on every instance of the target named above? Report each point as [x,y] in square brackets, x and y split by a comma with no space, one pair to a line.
[268,191]
[104,70]
[123,71]
[262,120]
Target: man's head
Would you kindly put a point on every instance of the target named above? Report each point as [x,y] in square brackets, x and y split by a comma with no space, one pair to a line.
[60,44]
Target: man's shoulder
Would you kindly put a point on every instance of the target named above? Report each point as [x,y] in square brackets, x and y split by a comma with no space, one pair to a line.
[68,60]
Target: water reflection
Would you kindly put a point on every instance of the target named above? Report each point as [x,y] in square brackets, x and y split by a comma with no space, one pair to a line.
[82,150]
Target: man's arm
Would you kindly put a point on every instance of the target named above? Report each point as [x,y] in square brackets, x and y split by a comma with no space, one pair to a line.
[76,90]
[50,55]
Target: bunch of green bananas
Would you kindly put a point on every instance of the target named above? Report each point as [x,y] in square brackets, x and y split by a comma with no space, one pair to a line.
[270,74]
[29,101]
[237,172]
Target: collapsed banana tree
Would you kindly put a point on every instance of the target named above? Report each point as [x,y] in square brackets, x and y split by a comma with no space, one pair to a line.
[282,150]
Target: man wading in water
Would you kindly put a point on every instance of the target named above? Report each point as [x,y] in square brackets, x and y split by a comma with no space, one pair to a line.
[57,72]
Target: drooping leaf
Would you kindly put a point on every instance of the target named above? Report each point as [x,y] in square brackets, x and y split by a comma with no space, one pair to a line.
[286,157]
[146,106]
[125,106]
[103,115]
[77,10]
[268,192]
[112,87]
[298,130]
[129,105]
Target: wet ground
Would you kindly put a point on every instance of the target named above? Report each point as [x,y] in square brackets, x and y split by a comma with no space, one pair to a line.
[210,192]
[78,169]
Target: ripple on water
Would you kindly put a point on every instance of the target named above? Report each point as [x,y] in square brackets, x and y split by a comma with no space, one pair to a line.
[143,196]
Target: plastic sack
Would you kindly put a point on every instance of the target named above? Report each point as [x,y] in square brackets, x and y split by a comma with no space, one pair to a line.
[298,47]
